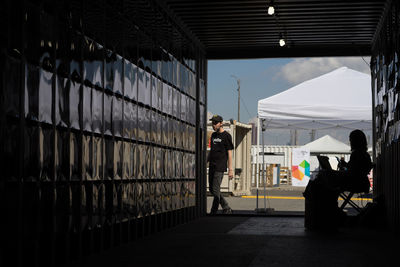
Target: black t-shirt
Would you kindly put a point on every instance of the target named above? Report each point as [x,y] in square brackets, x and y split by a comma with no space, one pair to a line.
[220,144]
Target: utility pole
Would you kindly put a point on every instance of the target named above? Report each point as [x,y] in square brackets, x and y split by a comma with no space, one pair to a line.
[238,84]
[293,138]
[312,135]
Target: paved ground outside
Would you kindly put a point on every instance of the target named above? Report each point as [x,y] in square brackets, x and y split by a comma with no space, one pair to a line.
[280,199]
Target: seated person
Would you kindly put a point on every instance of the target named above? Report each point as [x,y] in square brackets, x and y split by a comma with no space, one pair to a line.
[354,177]
[322,193]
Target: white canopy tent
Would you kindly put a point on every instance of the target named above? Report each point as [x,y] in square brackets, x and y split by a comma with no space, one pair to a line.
[339,99]
[327,145]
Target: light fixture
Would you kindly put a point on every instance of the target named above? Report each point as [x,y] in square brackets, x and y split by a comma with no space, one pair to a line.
[271,9]
[281,40]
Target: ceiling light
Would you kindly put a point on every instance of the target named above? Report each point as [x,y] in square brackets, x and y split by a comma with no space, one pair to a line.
[271,10]
[282,39]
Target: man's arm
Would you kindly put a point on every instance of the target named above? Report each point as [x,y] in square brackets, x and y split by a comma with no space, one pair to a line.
[230,170]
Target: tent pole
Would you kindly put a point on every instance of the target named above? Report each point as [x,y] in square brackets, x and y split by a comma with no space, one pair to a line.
[263,169]
[257,158]
[258,152]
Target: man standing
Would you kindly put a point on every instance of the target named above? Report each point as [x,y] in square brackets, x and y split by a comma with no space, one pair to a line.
[220,154]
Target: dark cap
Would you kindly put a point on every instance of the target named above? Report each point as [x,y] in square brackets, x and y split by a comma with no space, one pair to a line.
[216,118]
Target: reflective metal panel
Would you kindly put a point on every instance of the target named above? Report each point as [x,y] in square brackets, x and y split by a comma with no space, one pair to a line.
[97,122]
[164,125]
[74,152]
[107,114]
[139,199]
[87,153]
[62,156]
[97,111]
[185,137]
[192,111]
[114,72]
[154,92]
[62,101]
[117,116]
[142,124]
[86,108]
[166,99]
[93,57]
[75,54]
[126,169]
[158,198]
[74,105]
[144,86]
[130,80]
[109,158]
[177,134]
[156,128]
[176,103]
[183,109]
[117,161]
[31,101]
[97,158]
[130,120]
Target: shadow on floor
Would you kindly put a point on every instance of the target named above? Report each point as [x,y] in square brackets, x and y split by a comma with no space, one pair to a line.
[252,241]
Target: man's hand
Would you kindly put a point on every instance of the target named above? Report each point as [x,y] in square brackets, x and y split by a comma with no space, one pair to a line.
[230,173]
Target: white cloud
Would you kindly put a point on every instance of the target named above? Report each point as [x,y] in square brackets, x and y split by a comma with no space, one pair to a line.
[302,69]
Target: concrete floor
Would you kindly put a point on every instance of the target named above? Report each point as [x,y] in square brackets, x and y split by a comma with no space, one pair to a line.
[253,241]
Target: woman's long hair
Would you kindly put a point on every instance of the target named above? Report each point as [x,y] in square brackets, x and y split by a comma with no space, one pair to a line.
[358,141]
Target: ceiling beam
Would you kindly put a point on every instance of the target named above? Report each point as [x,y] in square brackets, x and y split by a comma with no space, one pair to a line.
[301,51]
[242,28]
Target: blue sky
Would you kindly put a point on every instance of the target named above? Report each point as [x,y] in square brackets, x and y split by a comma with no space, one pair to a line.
[258,79]
[261,78]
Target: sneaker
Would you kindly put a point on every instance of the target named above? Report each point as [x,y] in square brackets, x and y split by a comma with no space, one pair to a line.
[213,212]
[227,211]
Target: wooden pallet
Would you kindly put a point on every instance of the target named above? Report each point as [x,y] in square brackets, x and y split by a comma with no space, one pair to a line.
[284,176]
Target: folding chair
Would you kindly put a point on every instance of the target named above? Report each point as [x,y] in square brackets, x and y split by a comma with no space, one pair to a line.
[347,195]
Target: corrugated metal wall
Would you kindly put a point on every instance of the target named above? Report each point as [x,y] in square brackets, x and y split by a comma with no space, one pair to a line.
[385,70]
[242,159]
[102,127]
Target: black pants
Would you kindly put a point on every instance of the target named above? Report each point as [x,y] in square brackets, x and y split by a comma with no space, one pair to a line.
[214,183]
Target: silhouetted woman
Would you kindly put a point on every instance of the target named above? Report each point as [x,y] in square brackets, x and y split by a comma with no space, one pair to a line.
[322,194]
[355,178]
